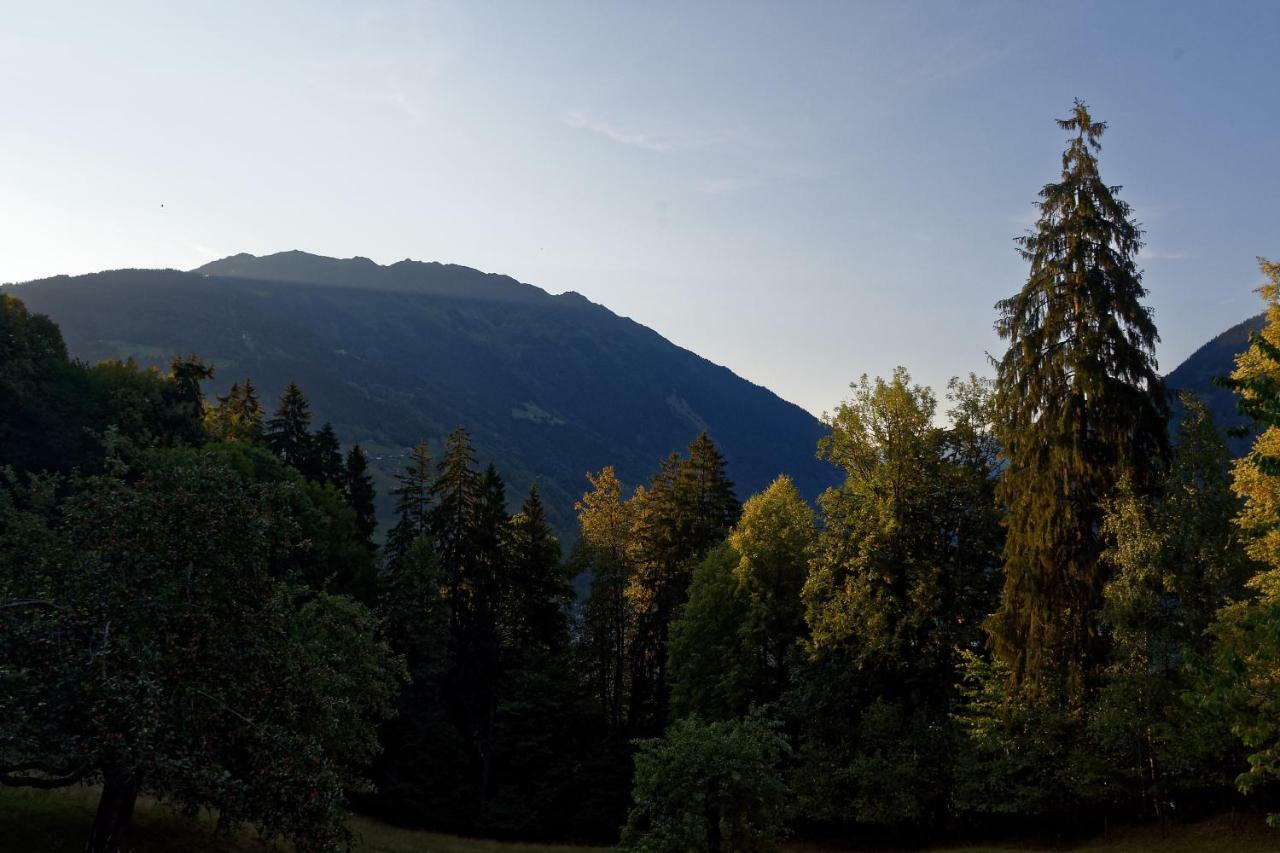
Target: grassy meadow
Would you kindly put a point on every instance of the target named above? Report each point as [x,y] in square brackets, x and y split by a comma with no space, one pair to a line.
[57,822]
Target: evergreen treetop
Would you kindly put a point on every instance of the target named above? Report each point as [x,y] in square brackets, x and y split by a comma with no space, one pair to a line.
[357,487]
[238,415]
[289,429]
[1080,405]
[413,502]
[325,460]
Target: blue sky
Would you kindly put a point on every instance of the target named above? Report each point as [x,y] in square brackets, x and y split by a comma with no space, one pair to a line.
[803,192]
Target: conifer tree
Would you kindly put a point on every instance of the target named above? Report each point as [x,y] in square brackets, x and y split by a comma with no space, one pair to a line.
[734,644]
[325,463]
[186,373]
[289,430]
[608,621]
[538,733]
[413,503]
[711,664]
[420,746]
[185,398]
[479,597]
[686,511]
[703,486]
[1175,560]
[357,487]
[488,537]
[454,494]
[537,593]
[238,415]
[1080,406]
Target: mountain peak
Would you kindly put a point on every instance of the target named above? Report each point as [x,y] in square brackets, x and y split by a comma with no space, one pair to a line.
[423,277]
[549,387]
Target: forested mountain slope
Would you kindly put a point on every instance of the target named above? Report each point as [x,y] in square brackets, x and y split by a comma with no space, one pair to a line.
[550,386]
[1214,360]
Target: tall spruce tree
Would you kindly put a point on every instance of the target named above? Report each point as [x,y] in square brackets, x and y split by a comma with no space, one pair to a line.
[413,503]
[605,637]
[479,595]
[1080,406]
[454,494]
[608,618]
[704,487]
[536,760]
[537,593]
[357,487]
[289,430]
[688,509]
[420,746]
[324,464]
[184,398]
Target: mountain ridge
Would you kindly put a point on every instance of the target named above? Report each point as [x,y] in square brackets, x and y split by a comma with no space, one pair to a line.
[1213,360]
[551,386]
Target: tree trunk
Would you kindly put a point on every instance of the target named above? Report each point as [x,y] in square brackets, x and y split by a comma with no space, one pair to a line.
[115,812]
[712,817]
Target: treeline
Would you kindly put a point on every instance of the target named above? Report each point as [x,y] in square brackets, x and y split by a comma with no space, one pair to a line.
[195,607]
[1036,613]
[184,613]
[1040,616]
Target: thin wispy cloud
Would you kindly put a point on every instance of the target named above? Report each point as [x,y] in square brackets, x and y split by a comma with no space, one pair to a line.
[581,120]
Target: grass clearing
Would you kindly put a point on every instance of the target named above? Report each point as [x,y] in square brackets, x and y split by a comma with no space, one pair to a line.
[58,822]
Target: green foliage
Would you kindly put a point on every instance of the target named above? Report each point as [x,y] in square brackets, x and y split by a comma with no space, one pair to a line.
[1248,630]
[412,349]
[687,509]
[357,488]
[1142,742]
[488,737]
[137,405]
[413,503]
[55,414]
[1016,753]
[536,600]
[733,644]
[419,742]
[710,672]
[455,492]
[325,464]
[237,416]
[902,574]
[774,539]
[288,433]
[1175,561]
[335,556]
[709,786]
[1080,407]
[34,367]
[185,398]
[164,646]
[608,620]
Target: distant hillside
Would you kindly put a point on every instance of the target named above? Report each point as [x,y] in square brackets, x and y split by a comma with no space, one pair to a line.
[550,386]
[1217,359]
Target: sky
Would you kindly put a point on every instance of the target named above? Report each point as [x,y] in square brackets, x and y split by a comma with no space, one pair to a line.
[802,191]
